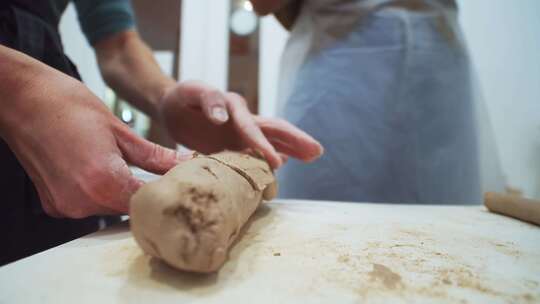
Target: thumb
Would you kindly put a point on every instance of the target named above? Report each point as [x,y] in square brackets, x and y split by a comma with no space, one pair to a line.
[147,155]
[200,95]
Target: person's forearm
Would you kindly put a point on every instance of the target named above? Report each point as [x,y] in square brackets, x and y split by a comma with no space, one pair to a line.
[22,78]
[288,14]
[128,66]
[285,11]
[266,7]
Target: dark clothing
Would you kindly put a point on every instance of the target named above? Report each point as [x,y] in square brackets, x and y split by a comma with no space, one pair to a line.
[31,27]
[98,18]
[35,33]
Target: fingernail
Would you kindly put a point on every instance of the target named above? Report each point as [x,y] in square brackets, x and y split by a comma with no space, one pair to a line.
[219,113]
[184,155]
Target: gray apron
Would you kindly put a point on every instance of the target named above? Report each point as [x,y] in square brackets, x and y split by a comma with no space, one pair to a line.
[387,91]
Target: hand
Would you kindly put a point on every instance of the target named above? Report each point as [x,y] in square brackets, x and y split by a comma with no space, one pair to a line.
[75,151]
[206,120]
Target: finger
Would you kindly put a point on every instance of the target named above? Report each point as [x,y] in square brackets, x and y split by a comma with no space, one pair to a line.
[187,93]
[284,157]
[190,93]
[292,140]
[147,155]
[250,132]
[214,106]
[285,149]
[202,96]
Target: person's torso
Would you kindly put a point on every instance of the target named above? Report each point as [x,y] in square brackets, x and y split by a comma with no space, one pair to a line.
[323,24]
[371,4]
[338,17]
[49,11]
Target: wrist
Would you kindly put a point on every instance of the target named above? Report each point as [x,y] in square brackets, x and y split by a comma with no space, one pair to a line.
[164,90]
[20,76]
[47,95]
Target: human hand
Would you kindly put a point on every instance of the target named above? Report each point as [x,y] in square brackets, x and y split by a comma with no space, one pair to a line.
[207,120]
[75,151]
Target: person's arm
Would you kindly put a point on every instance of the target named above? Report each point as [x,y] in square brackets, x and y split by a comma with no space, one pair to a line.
[288,14]
[266,7]
[128,66]
[195,114]
[285,11]
[72,147]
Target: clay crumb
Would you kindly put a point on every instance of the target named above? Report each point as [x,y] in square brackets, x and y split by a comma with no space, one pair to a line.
[344,258]
[528,297]
[277,253]
[389,278]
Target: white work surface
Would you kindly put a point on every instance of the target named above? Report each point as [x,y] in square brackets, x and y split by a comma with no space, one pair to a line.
[306,252]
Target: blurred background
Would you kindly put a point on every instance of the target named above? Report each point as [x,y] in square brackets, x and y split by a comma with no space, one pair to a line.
[224,44]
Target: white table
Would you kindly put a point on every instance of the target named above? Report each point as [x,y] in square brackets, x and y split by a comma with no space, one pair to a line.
[306,252]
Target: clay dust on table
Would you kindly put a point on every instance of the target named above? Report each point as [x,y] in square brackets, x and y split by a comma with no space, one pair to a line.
[389,278]
[412,265]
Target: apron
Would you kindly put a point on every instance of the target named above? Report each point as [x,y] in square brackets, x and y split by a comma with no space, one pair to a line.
[385,86]
[32,28]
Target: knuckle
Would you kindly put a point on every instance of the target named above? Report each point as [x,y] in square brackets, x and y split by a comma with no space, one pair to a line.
[159,156]
[191,83]
[155,153]
[213,98]
[214,93]
[216,97]
[237,98]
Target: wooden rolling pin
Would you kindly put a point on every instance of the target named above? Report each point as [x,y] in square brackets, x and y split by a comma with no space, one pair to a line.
[523,209]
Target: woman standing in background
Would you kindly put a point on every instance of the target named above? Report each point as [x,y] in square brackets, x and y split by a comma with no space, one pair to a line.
[386,87]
